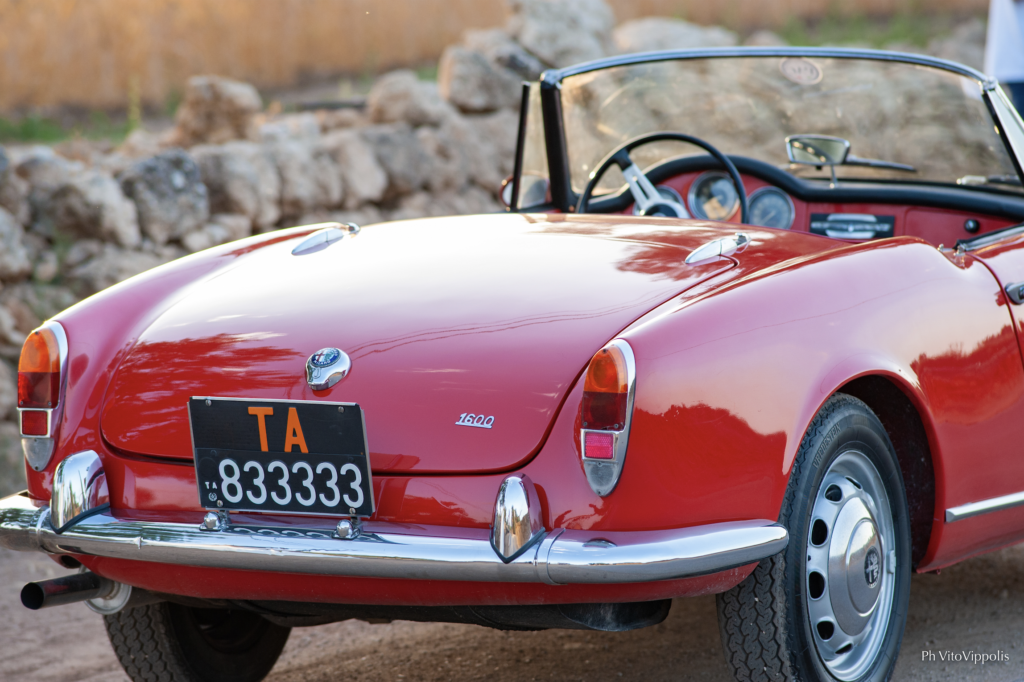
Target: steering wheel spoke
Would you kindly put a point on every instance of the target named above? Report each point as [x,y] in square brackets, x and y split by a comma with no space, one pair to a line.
[647,196]
[649,200]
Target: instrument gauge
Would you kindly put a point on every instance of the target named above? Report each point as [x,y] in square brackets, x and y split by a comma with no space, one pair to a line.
[713,196]
[771,207]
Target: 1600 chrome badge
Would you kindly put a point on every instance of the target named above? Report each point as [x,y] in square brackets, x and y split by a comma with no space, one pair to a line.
[326,367]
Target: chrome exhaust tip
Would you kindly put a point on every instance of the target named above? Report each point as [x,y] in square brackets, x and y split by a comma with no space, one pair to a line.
[66,590]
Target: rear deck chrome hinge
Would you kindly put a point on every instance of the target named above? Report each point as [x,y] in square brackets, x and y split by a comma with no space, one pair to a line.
[724,246]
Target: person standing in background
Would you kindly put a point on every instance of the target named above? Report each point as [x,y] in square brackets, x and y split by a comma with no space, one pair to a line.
[1004,47]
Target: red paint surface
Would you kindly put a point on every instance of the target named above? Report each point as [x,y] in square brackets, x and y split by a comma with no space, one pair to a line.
[228,584]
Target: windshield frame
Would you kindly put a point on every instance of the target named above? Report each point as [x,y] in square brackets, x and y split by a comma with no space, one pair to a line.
[564,198]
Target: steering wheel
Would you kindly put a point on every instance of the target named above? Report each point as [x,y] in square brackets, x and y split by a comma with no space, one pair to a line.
[646,195]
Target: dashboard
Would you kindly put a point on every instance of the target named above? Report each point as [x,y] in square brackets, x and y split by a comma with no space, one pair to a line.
[711,195]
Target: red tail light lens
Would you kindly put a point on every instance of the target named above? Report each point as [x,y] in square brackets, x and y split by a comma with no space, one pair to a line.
[35,423]
[39,371]
[605,391]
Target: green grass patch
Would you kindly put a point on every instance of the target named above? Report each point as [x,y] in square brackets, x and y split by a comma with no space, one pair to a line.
[835,28]
[39,129]
[31,129]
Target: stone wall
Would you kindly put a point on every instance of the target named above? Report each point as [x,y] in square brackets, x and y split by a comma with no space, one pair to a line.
[80,217]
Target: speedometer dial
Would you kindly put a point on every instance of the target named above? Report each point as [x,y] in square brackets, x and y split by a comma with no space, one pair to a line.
[713,196]
[771,207]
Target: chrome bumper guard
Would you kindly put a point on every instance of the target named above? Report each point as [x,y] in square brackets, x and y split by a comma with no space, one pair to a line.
[387,550]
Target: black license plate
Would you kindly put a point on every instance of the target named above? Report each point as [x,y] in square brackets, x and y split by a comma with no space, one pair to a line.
[281,456]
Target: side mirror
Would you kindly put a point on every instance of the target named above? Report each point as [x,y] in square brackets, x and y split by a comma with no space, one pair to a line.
[817,150]
[506,192]
[533,191]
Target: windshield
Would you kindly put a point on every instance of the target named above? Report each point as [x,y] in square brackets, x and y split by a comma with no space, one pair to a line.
[919,116]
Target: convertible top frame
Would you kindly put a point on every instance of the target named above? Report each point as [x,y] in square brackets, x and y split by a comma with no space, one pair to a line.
[564,198]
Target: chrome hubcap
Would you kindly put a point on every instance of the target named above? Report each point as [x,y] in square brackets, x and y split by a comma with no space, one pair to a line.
[849,577]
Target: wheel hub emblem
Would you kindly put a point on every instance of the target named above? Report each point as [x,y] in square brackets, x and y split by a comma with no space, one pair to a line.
[872,566]
[326,367]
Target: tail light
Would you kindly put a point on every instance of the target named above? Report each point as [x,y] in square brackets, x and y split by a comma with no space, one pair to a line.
[40,381]
[605,414]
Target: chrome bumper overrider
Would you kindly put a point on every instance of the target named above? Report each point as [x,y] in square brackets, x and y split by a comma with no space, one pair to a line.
[386,550]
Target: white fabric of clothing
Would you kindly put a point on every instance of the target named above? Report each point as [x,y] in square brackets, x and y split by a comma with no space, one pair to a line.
[1004,44]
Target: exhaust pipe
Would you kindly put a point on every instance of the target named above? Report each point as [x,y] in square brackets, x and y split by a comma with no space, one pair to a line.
[66,590]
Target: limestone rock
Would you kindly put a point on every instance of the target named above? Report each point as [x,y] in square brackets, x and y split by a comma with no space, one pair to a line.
[140,144]
[169,195]
[89,204]
[42,300]
[765,38]
[466,201]
[363,176]
[222,228]
[407,164]
[215,110]
[333,119]
[365,215]
[241,178]
[47,268]
[966,44]
[495,148]
[400,96]
[9,334]
[40,166]
[662,33]
[13,190]
[12,461]
[562,32]
[310,178]
[25,319]
[473,83]
[8,392]
[14,260]
[304,126]
[110,266]
[499,47]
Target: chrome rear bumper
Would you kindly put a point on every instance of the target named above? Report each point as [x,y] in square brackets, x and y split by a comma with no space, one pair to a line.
[385,550]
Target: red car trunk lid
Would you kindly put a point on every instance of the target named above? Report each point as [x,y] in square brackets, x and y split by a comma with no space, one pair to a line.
[490,315]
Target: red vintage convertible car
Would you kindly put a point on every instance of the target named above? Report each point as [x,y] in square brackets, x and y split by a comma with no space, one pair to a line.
[781,364]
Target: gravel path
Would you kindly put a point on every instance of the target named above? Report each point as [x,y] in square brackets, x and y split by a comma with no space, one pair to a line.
[977,606]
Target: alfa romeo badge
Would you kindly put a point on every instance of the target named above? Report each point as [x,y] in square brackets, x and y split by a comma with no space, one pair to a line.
[326,367]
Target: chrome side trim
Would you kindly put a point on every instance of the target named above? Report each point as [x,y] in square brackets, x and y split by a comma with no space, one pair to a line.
[388,550]
[966,511]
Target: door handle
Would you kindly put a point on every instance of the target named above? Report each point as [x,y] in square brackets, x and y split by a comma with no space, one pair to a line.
[1015,292]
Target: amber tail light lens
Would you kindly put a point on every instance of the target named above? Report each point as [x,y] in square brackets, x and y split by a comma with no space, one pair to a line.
[606,391]
[39,371]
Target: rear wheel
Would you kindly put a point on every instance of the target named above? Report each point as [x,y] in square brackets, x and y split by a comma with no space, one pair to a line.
[833,605]
[167,642]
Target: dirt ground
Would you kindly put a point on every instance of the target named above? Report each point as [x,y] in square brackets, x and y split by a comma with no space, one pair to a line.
[976,606]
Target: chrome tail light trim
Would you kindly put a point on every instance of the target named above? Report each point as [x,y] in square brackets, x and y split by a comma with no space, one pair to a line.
[39,449]
[603,474]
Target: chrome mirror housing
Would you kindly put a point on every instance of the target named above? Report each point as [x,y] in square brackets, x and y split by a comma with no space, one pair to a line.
[817,150]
